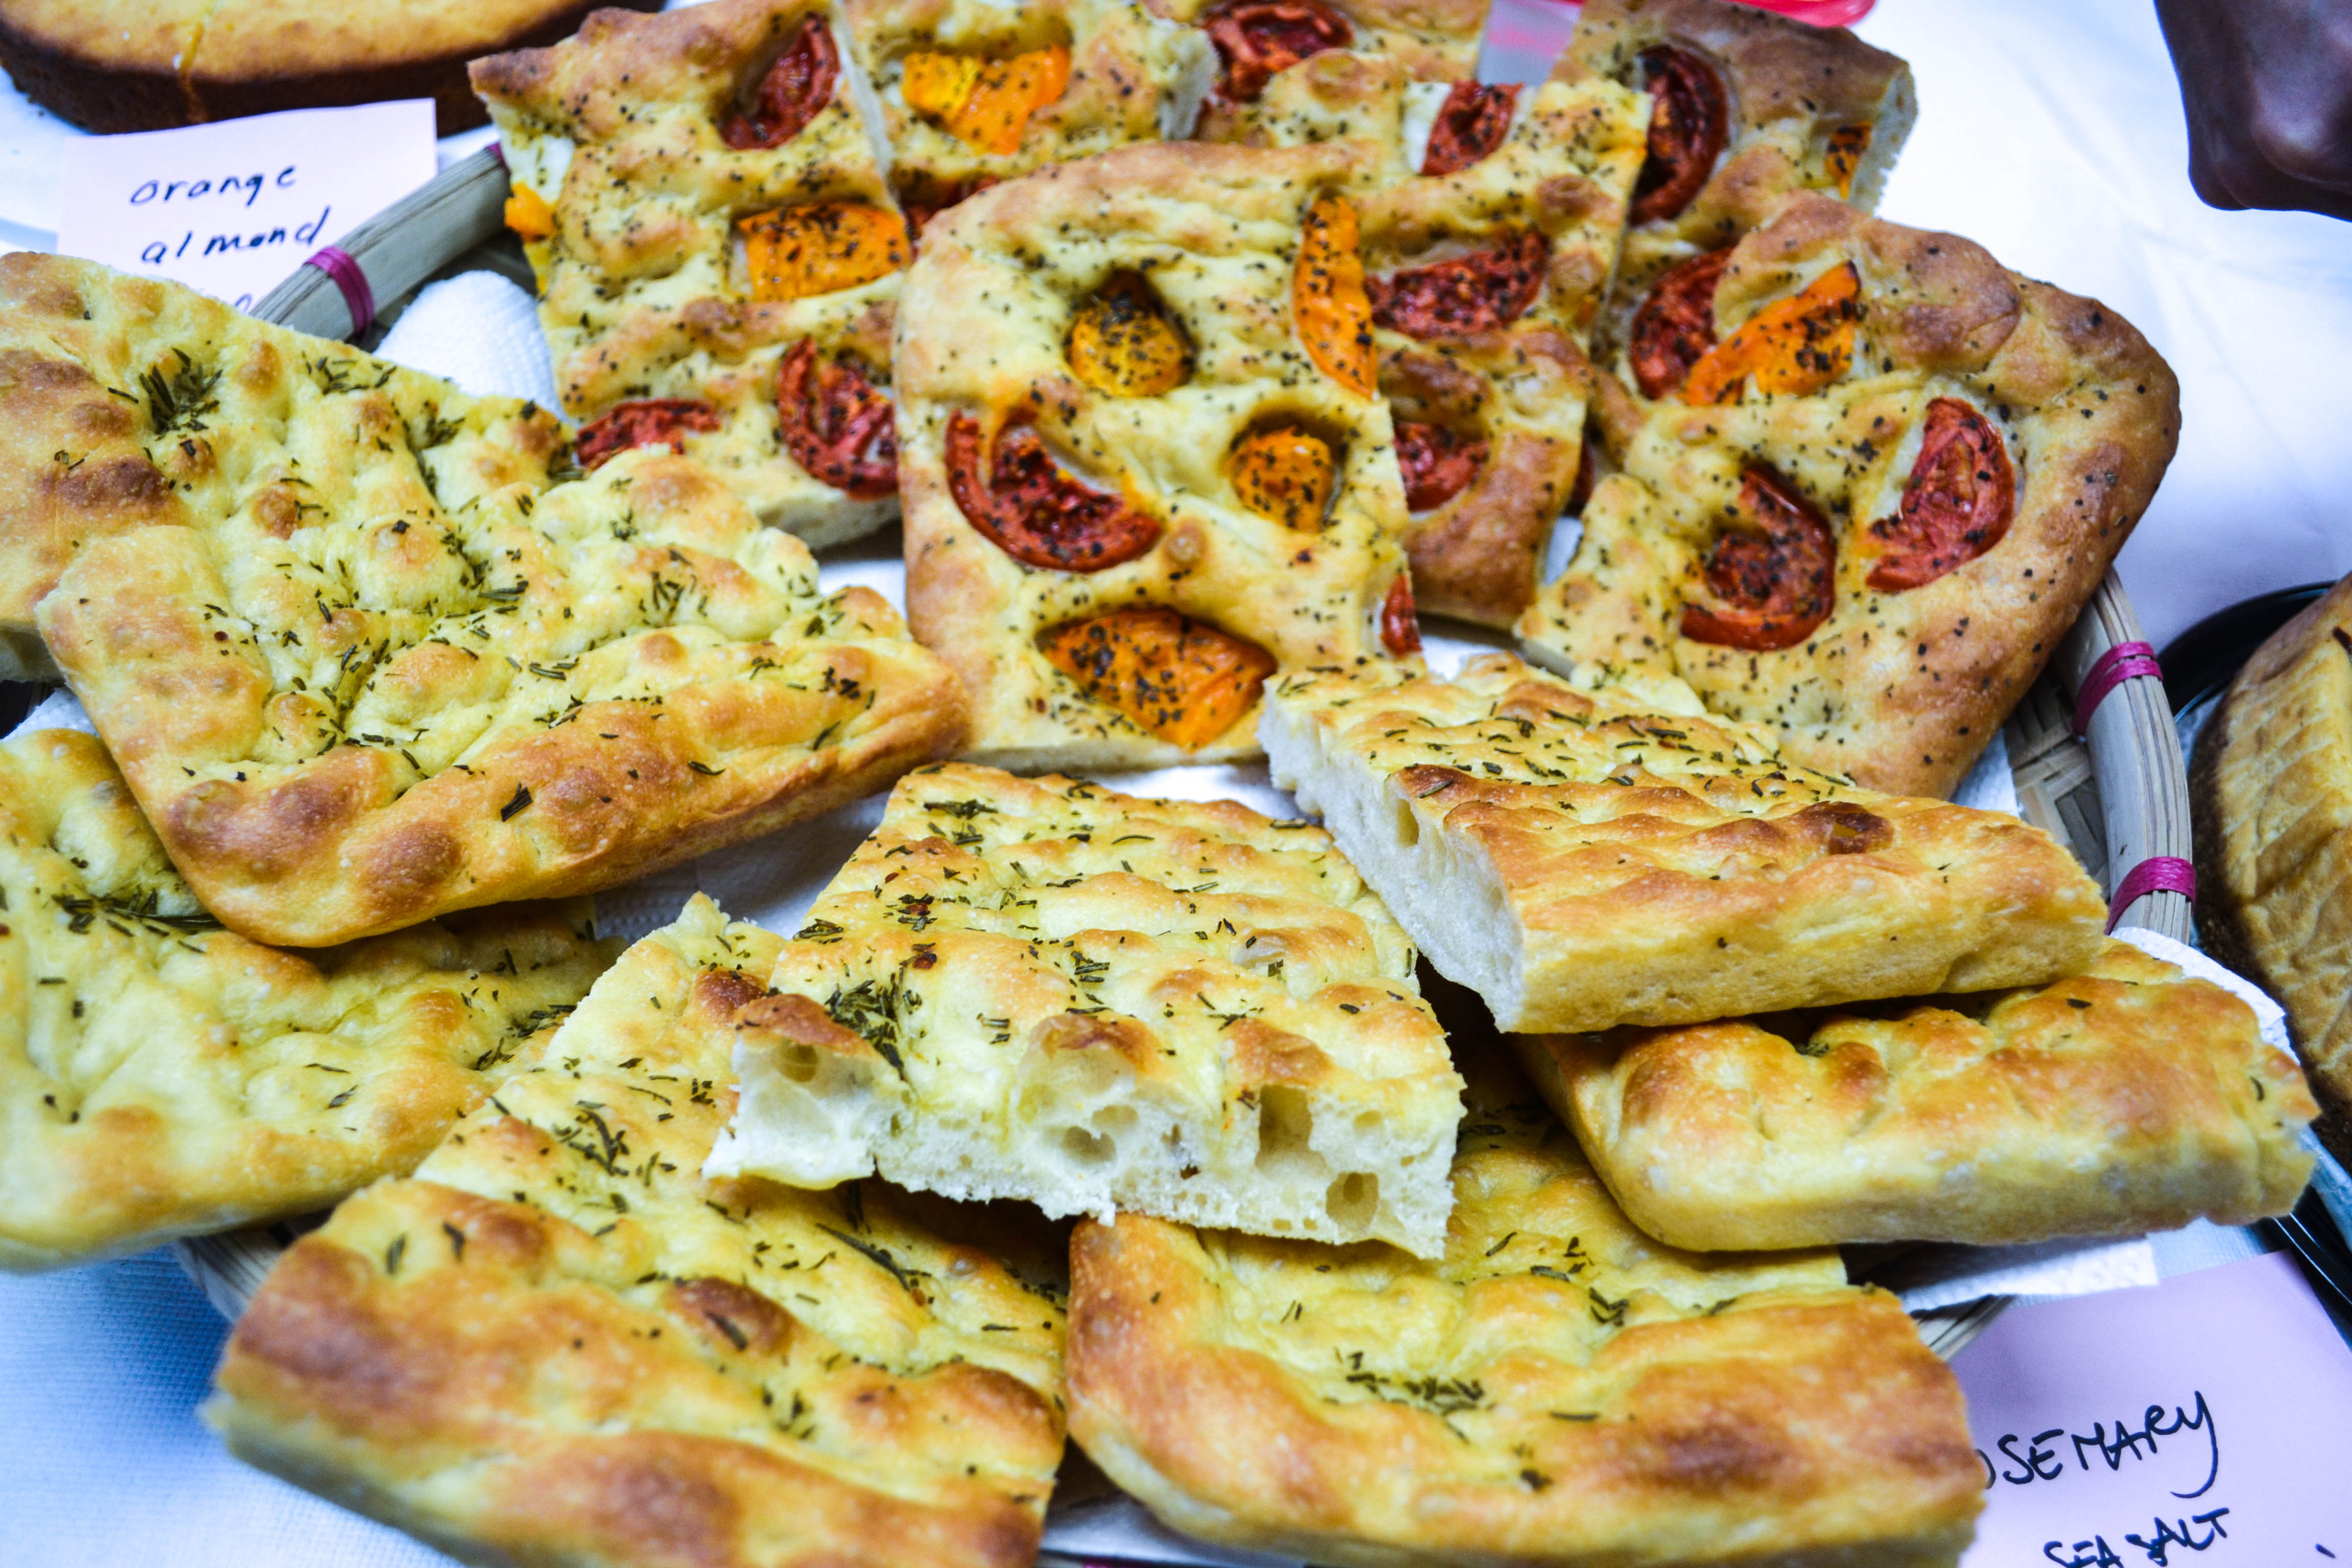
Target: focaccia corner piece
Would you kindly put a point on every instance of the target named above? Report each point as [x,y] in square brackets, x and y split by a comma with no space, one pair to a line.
[1259,43]
[1573,856]
[1557,1389]
[975,92]
[1039,989]
[701,196]
[2125,1098]
[1873,506]
[558,1344]
[352,692]
[162,1077]
[1145,461]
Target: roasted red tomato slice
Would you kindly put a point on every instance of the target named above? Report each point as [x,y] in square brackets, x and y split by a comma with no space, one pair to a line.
[649,422]
[1399,628]
[1674,327]
[1688,127]
[1255,39]
[1471,123]
[837,423]
[1034,512]
[1475,293]
[1956,505]
[1438,463]
[798,85]
[1772,582]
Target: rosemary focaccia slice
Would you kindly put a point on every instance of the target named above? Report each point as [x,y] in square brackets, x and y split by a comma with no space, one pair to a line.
[352,693]
[1872,508]
[1261,44]
[1556,1389]
[161,1077]
[972,92]
[1039,989]
[701,196]
[1582,860]
[2124,1099]
[558,1344]
[1145,461]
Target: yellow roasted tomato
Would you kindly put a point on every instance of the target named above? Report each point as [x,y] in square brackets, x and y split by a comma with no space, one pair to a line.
[1123,343]
[985,104]
[793,252]
[1327,299]
[1186,683]
[527,214]
[1283,474]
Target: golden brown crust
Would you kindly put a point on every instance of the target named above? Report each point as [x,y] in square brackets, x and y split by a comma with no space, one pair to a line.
[2270,784]
[1582,860]
[1897,689]
[164,1076]
[557,1345]
[373,672]
[2127,1098]
[1556,1390]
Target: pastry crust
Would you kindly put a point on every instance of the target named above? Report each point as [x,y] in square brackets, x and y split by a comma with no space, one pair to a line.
[2127,1099]
[1897,689]
[355,688]
[2272,788]
[981,335]
[1587,859]
[557,1344]
[162,1076]
[1428,40]
[645,291]
[1039,989]
[1557,1389]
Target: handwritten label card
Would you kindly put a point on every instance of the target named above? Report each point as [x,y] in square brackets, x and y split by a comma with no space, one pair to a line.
[2205,1420]
[234,208]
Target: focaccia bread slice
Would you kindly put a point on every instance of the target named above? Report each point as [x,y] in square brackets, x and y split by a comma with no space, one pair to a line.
[701,193]
[354,690]
[1261,43]
[1556,1389]
[1875,507]
[1748,109]
[161,1077]
[1040,989]
[1144,458]
[1582,860]
[2270,784]
[558,1344]
[973,91]
[2127,1098]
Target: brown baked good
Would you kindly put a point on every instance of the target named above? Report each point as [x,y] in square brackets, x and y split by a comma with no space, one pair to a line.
[1557,1389]
[1583,860]
[2271,796]
[111,66]
[164,1076]
[361,669]
[1132,487]
[558,1344]
[702,199]
[2125,1098]
[1871,509]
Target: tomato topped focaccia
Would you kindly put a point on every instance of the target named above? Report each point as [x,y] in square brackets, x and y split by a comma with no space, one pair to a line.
[974,91]
[1868,511]
[1145,457]
[1259,42]
[717,250]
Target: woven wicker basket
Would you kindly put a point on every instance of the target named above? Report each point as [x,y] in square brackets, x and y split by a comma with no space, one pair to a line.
[2116,798]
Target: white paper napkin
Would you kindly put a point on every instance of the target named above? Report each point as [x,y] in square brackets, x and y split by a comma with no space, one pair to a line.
[480,332]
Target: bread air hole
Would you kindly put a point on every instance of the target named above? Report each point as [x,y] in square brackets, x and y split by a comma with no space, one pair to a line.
[1095,1144]
[1285,1125]
[1353,1199]
[798,1063]
[1408,826]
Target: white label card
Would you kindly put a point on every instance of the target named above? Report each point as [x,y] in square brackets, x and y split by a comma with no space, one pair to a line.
[233,208]
[2202,1423]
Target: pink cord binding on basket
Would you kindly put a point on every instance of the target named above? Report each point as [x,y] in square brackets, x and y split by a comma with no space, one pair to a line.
[1820,13]
[2156,873]
[2125,661]
[358,297]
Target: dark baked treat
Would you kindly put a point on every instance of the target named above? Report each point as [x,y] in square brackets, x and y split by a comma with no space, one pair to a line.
[128,65]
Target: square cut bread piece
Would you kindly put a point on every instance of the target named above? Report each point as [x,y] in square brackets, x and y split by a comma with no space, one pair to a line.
[1145,461]
[2124,1099]
[702,197]
[1040,989]
[161,1077]
[1556,1389]
[558,1344]
[1616,857]
[353,692]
